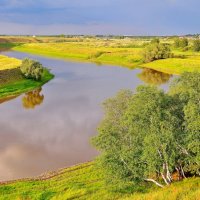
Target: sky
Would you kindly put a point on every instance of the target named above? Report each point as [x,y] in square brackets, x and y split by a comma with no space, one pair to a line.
[119,17]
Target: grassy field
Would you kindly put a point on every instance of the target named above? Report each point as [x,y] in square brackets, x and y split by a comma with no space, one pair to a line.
[85,182]
[89,51]
[8,63]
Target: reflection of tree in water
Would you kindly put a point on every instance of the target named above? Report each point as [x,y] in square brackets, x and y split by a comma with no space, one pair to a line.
[154,77]
[32,99]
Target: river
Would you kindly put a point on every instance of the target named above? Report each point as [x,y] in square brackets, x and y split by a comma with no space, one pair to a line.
[54,130]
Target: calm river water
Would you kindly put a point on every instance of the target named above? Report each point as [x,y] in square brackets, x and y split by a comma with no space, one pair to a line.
[51,128]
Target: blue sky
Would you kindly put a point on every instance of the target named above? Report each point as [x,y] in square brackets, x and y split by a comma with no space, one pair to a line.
[129,17]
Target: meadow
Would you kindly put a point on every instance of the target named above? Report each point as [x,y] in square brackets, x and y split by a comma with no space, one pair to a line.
[86,181]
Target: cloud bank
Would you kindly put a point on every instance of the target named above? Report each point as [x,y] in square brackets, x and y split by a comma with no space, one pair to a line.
[135,17]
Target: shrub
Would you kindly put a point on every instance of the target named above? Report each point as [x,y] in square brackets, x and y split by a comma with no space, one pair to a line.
[196,45]
[156,51]
[31,69]
[155,41]
[96,55]
[181,43]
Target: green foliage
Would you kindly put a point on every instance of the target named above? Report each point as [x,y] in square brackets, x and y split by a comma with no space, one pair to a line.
[156,51]
[196,45]
[181,43]
[31,69]
[187,89]
[151,134]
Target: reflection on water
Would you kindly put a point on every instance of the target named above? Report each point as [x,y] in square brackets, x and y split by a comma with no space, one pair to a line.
[154,77]
[32,99]
[57,134]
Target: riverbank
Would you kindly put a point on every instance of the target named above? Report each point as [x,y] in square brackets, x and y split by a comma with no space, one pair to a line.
[86,181]
[126,53]
[12,83]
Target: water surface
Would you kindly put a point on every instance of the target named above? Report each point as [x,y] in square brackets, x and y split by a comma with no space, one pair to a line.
[51,128]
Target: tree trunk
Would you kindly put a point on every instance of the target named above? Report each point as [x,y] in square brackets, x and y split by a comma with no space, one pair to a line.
[152,180]
[182,172]
[164,178]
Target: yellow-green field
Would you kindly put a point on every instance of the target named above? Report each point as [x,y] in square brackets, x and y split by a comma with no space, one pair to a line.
[91,51]
[121,52]
[8,63]
[86,182]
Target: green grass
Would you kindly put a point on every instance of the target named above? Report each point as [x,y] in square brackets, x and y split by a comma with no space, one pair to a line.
[86,181]
[175,65]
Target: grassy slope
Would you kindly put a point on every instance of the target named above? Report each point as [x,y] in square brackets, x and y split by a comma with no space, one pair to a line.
[114,52]
[85,181]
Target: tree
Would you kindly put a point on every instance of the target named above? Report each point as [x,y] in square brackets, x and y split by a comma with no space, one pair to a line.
[151,134]
[187,90]
[31,69]
[196,45]
[176,42]
[156,51]
[184,42]
[181,42]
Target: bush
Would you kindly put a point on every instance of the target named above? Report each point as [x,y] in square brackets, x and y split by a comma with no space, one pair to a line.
[181,43]
[156,51]
[196,45]
[96,55]
[31,69]
[155,41]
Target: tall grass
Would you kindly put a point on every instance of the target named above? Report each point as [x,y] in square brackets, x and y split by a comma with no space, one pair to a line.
[86,182]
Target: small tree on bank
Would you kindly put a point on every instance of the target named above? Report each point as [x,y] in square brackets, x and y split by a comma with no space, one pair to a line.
[31,69]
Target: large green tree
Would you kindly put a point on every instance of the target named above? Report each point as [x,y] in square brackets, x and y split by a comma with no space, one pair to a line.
[148,135]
